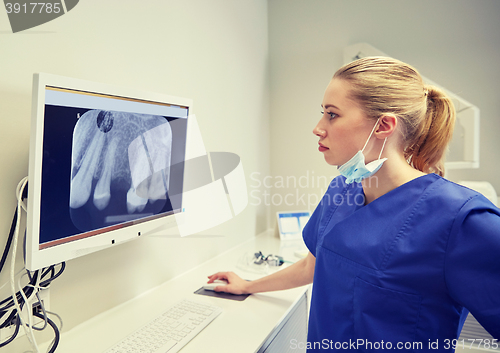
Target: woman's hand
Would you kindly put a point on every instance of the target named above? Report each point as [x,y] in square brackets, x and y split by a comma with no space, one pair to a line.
[235,284]
[296,275]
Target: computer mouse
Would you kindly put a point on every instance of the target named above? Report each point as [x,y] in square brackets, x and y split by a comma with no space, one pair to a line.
[216,283]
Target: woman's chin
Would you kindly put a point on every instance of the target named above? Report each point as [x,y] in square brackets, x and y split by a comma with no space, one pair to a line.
[331,161]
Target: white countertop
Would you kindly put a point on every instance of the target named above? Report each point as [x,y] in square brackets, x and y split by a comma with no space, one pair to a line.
[242,326]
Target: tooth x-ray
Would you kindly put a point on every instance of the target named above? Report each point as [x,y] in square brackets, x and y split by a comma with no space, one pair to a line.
[120,167]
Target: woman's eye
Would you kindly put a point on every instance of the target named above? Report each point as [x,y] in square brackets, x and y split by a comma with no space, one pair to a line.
[332,115]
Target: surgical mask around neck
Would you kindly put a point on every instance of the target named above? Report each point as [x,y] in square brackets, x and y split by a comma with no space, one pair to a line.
[356,170]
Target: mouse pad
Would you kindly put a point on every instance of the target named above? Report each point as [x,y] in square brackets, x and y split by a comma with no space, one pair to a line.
[222,295]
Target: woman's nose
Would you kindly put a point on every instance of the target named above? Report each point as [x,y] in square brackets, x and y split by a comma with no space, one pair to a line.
[318,131]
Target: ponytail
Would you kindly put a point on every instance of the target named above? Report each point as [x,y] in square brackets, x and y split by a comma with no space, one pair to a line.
[426,151]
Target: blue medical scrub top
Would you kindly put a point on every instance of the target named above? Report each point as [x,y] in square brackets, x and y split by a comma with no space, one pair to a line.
[402,272]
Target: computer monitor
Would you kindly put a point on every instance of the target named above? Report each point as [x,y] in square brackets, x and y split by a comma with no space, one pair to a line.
[106,166]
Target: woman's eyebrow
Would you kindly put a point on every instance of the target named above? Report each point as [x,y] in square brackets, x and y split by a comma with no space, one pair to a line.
[329,106]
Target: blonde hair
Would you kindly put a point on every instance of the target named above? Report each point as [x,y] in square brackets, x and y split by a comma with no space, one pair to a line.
[381,85]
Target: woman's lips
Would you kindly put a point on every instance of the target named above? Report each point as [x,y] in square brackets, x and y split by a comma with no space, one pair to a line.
[322,148]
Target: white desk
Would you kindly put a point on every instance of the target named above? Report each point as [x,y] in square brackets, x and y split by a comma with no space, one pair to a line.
[243,326]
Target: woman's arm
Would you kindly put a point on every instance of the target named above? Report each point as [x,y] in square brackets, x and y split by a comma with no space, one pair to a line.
[296,275]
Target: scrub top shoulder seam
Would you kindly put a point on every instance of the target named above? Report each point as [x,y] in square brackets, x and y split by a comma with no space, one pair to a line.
[453,230]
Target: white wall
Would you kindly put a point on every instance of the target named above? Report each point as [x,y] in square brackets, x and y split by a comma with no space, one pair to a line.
[452,42]
[214,52]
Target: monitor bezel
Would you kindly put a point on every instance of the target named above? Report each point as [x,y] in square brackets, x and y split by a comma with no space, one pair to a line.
[36,258]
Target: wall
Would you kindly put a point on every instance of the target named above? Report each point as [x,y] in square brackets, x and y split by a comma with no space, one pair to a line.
[214,52]
[452,42]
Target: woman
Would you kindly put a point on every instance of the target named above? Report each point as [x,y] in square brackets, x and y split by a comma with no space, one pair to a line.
[402,269]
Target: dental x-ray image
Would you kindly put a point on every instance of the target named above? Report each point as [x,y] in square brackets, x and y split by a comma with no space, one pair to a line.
[120,168]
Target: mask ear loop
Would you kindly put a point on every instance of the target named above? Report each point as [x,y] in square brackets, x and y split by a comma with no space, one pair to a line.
[380,155]
[369,137]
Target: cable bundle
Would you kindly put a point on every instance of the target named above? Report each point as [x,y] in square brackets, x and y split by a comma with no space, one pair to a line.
[11,308]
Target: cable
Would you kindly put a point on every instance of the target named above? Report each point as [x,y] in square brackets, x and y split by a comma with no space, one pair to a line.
[16,331]
[60,329]
[21,193]
[30,291]
[9,241]
[20,204]
[47,282]
[11,233]
[55,342]
[5,284]
[60,319]
[37,288]
[2,263]
[11,308]
[7,305]
[8,321]
[28,302]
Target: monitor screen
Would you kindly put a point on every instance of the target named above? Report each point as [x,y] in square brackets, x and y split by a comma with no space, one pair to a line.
[106,165]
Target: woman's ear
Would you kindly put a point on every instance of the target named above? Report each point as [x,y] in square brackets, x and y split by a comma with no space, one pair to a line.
[387,126]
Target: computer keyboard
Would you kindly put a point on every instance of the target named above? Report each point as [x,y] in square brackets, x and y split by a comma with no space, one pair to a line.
[171,330]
